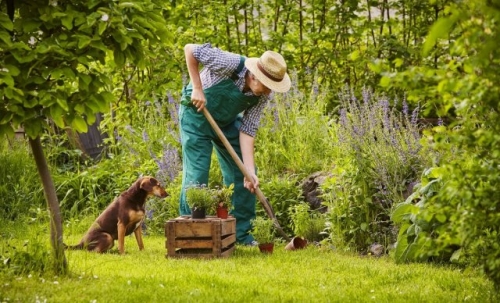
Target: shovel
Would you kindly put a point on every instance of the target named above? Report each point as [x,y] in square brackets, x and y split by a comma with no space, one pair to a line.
[263,200]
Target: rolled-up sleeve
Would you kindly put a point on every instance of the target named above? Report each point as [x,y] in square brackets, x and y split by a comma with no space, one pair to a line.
[216,60]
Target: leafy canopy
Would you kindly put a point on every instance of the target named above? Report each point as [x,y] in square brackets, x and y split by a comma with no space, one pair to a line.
[52,58]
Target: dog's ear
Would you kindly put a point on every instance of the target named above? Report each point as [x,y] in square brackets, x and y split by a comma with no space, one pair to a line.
[148,183]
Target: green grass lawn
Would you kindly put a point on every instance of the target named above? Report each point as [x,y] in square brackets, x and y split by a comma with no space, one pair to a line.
[310,275]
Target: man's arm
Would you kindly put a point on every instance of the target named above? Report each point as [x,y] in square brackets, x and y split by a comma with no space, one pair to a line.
[197,95]
[247,152]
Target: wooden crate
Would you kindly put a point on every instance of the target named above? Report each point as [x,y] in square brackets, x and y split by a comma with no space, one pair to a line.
[200,238]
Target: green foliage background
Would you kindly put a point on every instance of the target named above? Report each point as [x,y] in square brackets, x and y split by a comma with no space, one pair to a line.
[439,56]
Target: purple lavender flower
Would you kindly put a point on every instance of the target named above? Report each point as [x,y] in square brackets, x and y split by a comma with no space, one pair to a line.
[158,108]
[130,129]
[145,136]
[405,108]
[169,165]
[173,109]
[414,115]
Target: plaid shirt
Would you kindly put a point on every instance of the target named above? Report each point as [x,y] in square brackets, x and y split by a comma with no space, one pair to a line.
[219,65]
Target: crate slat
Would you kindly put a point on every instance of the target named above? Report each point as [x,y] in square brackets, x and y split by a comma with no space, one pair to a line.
[200,238]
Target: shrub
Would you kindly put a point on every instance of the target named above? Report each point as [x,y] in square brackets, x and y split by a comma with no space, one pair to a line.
[379,156]
[306,223]
[294,134]
[282,193]
[422,221]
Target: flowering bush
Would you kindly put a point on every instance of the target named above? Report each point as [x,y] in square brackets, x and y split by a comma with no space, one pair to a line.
[379,158]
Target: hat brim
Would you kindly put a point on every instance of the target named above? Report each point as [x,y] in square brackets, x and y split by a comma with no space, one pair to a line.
[276,86]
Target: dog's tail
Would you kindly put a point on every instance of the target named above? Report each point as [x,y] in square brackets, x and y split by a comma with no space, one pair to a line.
[78,246]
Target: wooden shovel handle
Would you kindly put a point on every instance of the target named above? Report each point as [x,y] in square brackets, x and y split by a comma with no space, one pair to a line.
[263,200]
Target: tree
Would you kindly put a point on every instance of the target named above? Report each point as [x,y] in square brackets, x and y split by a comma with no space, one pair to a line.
[52,56]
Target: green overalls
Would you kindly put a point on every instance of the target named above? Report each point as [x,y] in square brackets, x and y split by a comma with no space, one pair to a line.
[225,102]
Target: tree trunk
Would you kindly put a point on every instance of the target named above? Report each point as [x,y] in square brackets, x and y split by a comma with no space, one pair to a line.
[56,231]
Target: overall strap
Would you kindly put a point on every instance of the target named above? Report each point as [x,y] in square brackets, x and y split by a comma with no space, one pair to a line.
[234,76]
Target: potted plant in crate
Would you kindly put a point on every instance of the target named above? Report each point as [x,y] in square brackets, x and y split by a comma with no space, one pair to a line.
[222,196]
[263,233]
[200,198]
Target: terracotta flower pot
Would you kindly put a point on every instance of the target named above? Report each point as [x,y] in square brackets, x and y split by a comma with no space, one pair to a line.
[222,212]
[198,213]
[296,243]
[266,248]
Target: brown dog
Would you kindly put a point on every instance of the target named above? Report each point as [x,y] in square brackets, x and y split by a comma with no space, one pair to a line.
[121,218]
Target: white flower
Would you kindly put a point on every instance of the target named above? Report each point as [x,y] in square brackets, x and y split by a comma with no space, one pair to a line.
[53,2]
[105,17]
[32,41]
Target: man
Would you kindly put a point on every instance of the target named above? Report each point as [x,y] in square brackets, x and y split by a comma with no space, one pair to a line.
[235,90]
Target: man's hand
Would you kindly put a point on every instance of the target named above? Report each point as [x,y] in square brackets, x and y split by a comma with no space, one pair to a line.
[251,186]
[198,99]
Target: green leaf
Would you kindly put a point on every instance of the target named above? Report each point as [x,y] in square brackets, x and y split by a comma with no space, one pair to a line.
[108,97]
[13,70]
[385,81]
[119,58]
[5,22]
[7,79]
[164,35]
[456,255]
[6,129]
[63,104]
[93,3]
[68,72]
[130,5]
[441,218]
[99,45]
[5,117]
[33,128]
[402,211]
[5,37]
[30,25]
[67,21]
[83,41]
[79,124]
[56,73]
[439,29]
[398,62]
[91,118]
[23,57]
[83,60]
[85,78]
[363,226]
[354,55]
[102,27]
[56,113]
[401,247]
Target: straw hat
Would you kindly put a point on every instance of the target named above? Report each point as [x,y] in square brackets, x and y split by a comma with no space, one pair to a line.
[270,69]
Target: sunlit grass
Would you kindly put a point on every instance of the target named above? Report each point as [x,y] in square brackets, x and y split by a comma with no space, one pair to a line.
[314,274]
